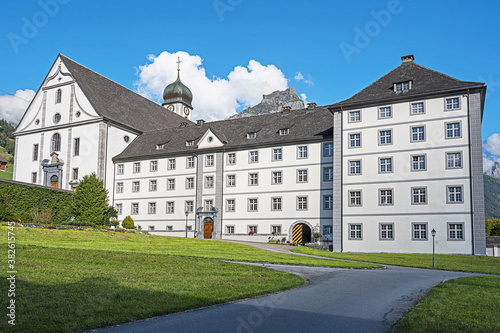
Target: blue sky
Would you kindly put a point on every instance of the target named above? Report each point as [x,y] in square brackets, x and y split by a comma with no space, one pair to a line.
[245,47]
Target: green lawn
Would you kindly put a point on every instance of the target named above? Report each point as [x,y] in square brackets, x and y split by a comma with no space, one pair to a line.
[462,305]
[8,173]
[461,263]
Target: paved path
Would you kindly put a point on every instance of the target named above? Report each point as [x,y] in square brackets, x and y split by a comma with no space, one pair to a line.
[335,300]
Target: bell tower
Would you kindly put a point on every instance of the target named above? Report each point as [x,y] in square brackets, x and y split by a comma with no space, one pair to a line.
[177,97]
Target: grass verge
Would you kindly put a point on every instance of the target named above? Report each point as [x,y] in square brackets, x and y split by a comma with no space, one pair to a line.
[469,304]
[459,263]
[175,246]
[8,173]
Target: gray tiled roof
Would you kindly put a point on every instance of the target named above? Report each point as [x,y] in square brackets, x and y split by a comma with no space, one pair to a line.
[117,103]
[424,81]
[305,125]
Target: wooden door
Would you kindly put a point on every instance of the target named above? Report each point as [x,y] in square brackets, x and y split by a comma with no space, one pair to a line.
[208,229]
[54,182]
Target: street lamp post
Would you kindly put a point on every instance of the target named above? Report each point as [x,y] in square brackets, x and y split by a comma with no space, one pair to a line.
[187,213]
[433,232]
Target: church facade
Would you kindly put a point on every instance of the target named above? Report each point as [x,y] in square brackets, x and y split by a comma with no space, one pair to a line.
[379,172]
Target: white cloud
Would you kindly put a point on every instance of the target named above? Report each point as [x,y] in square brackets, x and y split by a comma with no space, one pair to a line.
[491,151]
[213,98]
[12,107]
[303,97]
[299,77]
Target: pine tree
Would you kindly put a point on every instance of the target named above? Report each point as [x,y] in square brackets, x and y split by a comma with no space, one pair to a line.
[128,223]
[90,202]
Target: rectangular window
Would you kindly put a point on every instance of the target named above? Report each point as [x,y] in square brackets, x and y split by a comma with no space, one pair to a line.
[355,140]
[230,205]
[302,152]
[327,229]
[385,197]
[209,160]
[385,112]
[355,231]
[209,205]
[119,208]
[254,156]
[453,160]
[302,176]
[417,134]
[33,177]
[231,180]
[189,206]
[251,135]
[209,181]
[354,167]
[253,179]
[275,203]
[354,198]
[452,103]
[454,194]
[402,86]
[386,231]
[453,130]
[231,158]
[135,187]
[152,185]
[418,195]
[119,187]
[385,164]
[417,108]
[328,202]
[252,205]
[75,173]
[354,116]
[277,177]
[419,231]
[170,207]
[327,174]
[153,166]
[151,228]
[137,167]
[455,231]
[171,184]
[252,229]
[170,228]
[189,183]
[76,149]
[229,229]
[119,169]
[135,209]
[171,164]
[190,162]
[277,154]
[418,163]
[385,137]
[284,131]
[301,203]
[276,230]
[152,208]
[328,149]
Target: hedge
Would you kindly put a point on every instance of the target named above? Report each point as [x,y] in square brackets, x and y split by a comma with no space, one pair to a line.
[24,202]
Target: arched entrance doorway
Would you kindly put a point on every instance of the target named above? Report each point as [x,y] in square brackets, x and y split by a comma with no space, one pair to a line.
[301,232]
[54,182]
[208,227]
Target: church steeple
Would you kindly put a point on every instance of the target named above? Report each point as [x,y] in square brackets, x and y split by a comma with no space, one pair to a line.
[177,97]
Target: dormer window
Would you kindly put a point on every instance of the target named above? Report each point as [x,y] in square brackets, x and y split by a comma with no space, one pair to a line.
[251,135]
[190,143]
[284,131]
[160,146]
[402,86]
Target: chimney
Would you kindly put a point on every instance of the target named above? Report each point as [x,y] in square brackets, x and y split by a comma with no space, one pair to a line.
[183,124]
[286,109]
[408,58]
[200,122]
[311,106]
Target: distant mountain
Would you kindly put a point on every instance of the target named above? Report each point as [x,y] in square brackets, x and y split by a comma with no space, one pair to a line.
[274,102]
[494,171]
[492,197]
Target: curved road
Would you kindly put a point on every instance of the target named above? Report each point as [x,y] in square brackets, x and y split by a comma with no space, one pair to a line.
[334,300]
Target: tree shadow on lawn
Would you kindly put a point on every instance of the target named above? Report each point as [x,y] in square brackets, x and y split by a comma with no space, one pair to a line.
[88,304]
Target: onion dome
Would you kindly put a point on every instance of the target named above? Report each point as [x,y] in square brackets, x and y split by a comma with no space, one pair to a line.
[177,92]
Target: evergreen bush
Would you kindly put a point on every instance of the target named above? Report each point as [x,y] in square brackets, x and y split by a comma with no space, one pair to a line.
[128,223]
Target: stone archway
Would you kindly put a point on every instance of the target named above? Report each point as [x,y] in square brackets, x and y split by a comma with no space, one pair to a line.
[301,232]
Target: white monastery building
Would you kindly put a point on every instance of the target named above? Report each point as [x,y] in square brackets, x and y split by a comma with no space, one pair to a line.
[377,172]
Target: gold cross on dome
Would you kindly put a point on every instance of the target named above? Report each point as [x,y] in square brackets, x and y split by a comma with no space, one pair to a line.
[179,63]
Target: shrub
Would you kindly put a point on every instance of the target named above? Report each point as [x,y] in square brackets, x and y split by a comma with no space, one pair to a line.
[128,223]
[492,227]
[41,217]
[90,202]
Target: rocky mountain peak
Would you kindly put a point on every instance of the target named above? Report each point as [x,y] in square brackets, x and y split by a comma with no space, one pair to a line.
[494,171]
